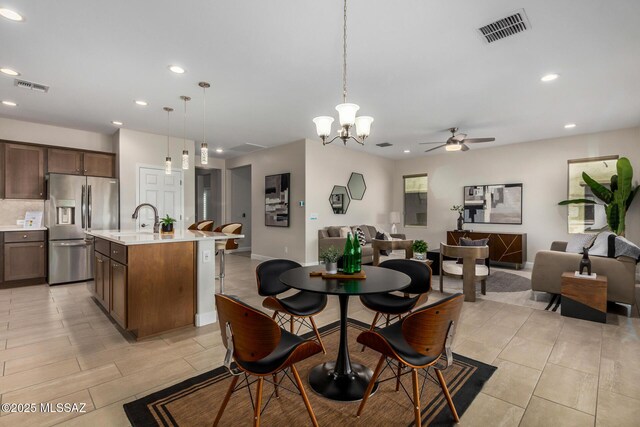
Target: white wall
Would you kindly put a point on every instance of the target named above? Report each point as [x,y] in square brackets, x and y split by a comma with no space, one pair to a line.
[540,165]
[139,148]
[275,242]
[18,130]
[333,164]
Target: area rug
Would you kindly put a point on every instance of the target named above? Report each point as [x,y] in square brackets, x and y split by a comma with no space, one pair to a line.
[501,281]
[195,402]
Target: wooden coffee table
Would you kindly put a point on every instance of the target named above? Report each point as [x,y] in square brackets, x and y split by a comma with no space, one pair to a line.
[391,245]
[584,298]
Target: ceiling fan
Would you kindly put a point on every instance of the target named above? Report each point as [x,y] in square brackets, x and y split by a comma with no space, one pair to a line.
[457,142]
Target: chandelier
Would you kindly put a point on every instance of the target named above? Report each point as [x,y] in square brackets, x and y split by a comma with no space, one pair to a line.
[346,111]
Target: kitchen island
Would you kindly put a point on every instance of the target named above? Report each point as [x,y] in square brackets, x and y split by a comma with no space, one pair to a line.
[150,283]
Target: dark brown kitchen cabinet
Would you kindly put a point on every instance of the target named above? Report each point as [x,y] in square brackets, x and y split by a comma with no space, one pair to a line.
[24,261]
[24,171]
[102,279]
[64,161]
[119,293]
[97,164]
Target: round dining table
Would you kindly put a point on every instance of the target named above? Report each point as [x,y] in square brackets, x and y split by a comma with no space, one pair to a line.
[343,380]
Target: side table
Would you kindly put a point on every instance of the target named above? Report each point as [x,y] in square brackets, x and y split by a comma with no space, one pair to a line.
[584,298]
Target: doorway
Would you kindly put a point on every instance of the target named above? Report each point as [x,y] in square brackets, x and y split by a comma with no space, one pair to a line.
[162,191]
[209,195]
[240,203]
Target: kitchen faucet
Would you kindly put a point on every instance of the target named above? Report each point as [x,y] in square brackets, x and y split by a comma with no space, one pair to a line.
[156,220]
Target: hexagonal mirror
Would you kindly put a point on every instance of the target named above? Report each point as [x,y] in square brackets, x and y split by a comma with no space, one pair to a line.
[356,185]
[339,199]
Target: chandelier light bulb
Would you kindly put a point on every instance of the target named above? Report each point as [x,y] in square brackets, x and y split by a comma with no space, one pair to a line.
[323,125]
[347,113]
[363,126]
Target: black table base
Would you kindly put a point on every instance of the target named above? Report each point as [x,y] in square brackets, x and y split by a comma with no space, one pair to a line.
[341,380]
[325,381]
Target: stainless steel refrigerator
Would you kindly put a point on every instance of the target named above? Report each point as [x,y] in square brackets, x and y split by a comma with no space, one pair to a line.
[74,205]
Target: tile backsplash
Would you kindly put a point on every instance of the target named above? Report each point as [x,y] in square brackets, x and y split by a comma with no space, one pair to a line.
[13,210]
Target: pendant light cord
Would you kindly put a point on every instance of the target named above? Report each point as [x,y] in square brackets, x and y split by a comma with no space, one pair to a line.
[168,130]
[204,115]
[344,56]
[184,126]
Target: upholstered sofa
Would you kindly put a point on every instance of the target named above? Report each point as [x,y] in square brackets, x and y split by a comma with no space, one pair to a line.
[330,236]
[549,266]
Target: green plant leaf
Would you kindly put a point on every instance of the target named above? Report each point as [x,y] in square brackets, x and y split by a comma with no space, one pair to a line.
[632,195]
[578,201]
[614,183]
[599,190]
[625,175]
[613,217]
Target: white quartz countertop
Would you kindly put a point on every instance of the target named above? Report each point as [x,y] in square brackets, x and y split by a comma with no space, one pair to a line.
[131,237]
[20,228]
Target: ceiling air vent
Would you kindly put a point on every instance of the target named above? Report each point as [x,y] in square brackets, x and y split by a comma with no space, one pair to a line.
[384,144]
[505,27]
[31,86]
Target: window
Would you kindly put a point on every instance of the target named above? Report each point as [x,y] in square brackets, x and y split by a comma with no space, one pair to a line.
[415,200]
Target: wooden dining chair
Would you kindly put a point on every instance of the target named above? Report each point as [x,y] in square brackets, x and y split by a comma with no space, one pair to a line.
[298,307]
[469,271]
[259,348]
[418,341]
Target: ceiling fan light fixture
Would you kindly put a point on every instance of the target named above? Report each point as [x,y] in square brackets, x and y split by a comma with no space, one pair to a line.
[453,147]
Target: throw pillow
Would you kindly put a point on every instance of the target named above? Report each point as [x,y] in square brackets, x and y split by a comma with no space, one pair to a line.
[464,241]
[344,231]
[624,247]
[579,241]
[382,236]
[604,244]
[360,235]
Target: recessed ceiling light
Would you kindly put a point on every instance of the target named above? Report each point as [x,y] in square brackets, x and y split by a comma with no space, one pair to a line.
[117,123]
[549,77]
[407,151]
[9,103]
[9,72]
[143,103]
[176,69]
[218,150]
[10,14]
[569,125]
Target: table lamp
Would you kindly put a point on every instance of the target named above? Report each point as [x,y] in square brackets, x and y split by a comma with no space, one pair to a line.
[394,218]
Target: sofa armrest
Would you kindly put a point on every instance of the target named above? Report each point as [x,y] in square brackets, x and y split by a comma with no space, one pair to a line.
[559,246]
[399,236]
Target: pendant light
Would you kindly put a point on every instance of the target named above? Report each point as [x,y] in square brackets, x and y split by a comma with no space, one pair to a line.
[167,160]
[185,152]
[204,148]
[346,111]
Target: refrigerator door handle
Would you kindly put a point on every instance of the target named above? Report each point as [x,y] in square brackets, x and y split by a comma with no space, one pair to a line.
[83,207]
[89,207]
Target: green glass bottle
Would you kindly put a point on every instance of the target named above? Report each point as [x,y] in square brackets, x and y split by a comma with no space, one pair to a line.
[348,255]
[357,255]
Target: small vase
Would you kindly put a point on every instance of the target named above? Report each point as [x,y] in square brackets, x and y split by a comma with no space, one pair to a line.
[420,256]
[460,221]
[331,267]
[167,228]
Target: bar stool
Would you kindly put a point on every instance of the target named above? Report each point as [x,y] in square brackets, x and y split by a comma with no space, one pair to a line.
[223,245]
[205,225]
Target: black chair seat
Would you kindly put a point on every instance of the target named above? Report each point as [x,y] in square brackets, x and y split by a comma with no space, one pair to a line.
[288,343]
[388,303]
[393,335]
[304,303]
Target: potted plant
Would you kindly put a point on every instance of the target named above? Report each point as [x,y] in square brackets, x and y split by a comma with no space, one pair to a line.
[460,210]
[167,224]
[616,199]
[330,258]
[420,248]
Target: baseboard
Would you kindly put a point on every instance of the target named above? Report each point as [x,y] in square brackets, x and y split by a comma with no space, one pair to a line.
[528,265]
[240,249]
[259,257]
[206,318]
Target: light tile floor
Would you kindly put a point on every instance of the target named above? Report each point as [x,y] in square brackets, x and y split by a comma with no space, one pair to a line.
[57,345]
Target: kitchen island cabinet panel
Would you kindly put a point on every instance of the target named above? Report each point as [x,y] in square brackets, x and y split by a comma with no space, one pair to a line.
[119,293]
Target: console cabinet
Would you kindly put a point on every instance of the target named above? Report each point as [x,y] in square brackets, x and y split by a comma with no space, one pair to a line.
[504,248]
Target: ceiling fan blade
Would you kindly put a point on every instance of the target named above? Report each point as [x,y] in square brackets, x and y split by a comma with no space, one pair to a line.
[431,149]
[464,147]
[459,137]
[479,140]
[440,142]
